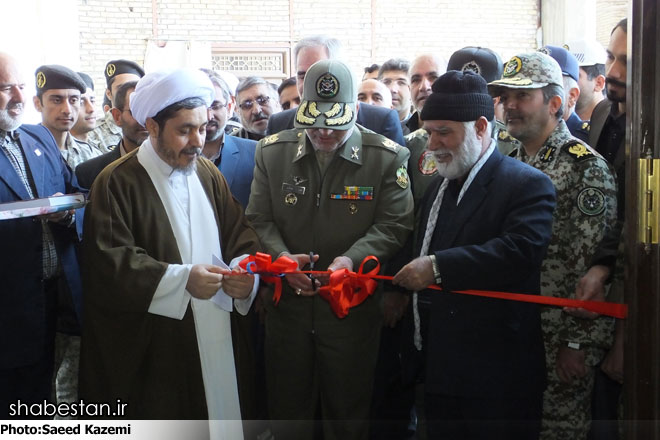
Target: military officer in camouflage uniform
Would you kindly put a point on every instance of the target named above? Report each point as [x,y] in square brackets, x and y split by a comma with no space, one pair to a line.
[330,188]
[531,91]
[107,135]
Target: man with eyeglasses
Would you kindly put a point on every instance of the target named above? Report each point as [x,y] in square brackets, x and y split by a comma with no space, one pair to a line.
[133,134]
[257,100]
[233,156]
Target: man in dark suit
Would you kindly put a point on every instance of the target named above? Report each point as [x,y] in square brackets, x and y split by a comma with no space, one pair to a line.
[485,226]
[312,49]
[233,156]
[38,256]
[133,134]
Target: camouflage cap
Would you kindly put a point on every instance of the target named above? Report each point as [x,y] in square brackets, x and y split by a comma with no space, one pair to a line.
[329,97]
[532,70]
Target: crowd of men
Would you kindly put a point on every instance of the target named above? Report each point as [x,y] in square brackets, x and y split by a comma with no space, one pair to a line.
[471,174]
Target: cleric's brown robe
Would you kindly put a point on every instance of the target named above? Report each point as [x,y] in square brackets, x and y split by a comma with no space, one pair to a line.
[148,361]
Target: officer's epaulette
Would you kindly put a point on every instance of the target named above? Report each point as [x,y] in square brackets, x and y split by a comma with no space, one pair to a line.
[419,133]
[504,135]
[577,150]
[375,139]
[283,136]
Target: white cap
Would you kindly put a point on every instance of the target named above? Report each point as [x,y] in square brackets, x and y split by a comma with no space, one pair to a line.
[587,52]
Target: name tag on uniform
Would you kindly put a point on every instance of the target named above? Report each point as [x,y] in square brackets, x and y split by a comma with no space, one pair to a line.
[355,193]
[295,189]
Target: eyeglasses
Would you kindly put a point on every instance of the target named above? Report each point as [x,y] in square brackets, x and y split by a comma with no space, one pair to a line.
[261,100]
[216,105]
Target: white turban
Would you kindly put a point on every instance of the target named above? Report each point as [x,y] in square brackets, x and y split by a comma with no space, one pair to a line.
[158,90]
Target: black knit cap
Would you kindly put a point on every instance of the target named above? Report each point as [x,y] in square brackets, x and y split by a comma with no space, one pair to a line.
[54,76]
[459,96]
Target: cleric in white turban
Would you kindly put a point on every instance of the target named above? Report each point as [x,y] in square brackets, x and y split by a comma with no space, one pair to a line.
[158,90]
[163,237]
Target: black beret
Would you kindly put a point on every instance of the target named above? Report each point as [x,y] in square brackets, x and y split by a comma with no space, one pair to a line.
[87,79]
[480,60]
[58,77]
[458,96]
[117,67]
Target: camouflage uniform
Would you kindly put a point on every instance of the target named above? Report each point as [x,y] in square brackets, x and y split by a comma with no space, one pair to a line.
[586,209]
[586,206]
[506,144]
[106,136]
[76,152]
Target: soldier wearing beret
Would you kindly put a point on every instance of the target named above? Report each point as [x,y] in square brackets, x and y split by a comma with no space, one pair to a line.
[58,100]
[531,92]
[107,134]
[328,187]
[570,72]
[87,117]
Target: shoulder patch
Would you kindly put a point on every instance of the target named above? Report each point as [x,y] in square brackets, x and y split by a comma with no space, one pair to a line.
[270,139]
[388,143]
[402,176]
[577,150]
[283,136]
[504,135]
[591,201]
[375,139]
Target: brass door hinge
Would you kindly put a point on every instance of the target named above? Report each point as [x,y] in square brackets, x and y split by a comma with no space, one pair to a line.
[649,201]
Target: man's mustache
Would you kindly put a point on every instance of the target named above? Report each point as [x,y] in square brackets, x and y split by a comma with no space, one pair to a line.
[615,82]
[259,116]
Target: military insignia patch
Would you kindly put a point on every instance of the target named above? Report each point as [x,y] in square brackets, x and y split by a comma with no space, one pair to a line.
[355,155]
[352,208]
[389,143]
[298,180]
[547,154]
[291,199]
[591,201]
[579,151]
[586,126]
[110,69]
[512,67]
[327,86]
[270,139]
[471,66]
[402,177]
[299,152]
[41,80]
[301,117]
[342,120]
[427,164]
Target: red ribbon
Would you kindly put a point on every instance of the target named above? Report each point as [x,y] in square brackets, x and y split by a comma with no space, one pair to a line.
[270,271]
[348,289]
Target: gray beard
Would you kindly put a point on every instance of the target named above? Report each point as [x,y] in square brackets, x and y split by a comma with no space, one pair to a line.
[7,123]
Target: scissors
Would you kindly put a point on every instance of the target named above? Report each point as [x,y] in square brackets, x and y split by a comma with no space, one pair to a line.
[311,267]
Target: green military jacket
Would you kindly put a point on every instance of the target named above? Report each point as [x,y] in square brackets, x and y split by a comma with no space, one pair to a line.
[586,208]
[422,166]
[361,205]
[106,136]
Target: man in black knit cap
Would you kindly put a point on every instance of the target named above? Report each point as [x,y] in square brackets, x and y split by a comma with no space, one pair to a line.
[484,225]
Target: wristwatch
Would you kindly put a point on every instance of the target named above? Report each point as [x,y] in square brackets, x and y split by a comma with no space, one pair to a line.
[436,270]
[573,345]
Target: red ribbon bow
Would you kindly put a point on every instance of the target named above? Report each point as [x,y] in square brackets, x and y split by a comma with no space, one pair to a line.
[270,271]
[348,289]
